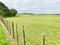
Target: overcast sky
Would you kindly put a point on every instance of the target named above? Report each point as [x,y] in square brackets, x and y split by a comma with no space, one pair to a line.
[34,6]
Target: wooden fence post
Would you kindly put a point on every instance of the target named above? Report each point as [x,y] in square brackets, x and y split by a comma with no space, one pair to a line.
[43,39]
[24,36]
[13,30]
[9,28]
[17,35]
[5,22]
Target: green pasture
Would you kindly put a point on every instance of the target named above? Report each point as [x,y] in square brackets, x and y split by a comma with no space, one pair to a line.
[35,26]
[3,40]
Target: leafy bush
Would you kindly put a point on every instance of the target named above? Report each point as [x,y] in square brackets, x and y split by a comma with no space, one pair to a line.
[5,11]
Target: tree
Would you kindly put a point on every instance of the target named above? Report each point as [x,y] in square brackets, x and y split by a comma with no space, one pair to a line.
[13,12]
[5,11]
[1,5]
[1,13]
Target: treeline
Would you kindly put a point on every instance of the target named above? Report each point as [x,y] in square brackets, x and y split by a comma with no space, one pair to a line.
[28,13]
[38,14]
[5,11]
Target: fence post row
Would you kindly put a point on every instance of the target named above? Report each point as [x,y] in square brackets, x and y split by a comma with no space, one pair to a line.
[24,36]
[7,24]
[13,30]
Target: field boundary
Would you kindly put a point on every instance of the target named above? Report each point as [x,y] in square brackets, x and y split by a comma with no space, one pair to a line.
[14,38]
[9,38]
[10,30]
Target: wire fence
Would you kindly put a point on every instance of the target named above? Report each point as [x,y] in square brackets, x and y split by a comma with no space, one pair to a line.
[13,30]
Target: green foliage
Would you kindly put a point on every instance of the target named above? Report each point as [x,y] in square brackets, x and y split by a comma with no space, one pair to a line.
[1,12]
[13,12]
[5,11]
[3,40]
[1,5]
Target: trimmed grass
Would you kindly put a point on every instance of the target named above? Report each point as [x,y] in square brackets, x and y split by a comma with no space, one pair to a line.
[3,40]
[36,25]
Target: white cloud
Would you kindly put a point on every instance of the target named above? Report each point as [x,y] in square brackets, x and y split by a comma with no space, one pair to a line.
[8,3]
[52,1]
[4,0]
[49,5]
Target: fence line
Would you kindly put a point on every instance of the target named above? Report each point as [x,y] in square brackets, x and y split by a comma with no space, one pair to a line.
[8,26]
[11,31]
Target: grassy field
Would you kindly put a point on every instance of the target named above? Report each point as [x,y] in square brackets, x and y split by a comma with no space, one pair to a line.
[3,40]
[37,25]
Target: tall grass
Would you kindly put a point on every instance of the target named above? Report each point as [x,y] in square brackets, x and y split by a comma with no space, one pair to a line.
[3,40]
[35,26]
